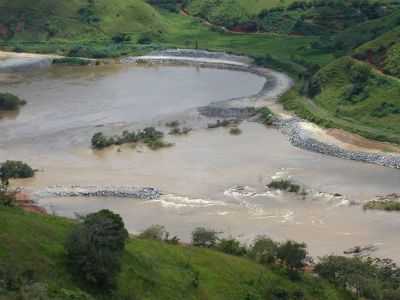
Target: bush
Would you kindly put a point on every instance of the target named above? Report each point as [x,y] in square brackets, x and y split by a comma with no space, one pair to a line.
[120,38]
[72,61]
[100,141]
[264,250]
[285,185]
[154,232]
[292,254]
[145,39]
[15,169]
[10,102]
[235,131]
[202,237]
[266,116]
[94,249]
[231,246]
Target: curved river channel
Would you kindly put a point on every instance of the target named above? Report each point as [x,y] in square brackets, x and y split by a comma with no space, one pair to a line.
[209,178]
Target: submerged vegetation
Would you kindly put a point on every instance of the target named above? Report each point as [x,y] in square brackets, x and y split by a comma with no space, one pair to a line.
[387,203]
[149,136]
[285,185]
[10,102]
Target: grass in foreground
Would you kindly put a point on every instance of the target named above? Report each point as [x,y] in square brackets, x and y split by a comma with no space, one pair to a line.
[151,269]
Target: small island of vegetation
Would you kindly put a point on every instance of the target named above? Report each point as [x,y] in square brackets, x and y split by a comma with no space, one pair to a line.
[149,136]
[10,102]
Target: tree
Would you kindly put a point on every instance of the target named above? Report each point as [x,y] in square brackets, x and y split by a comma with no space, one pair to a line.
[94,249]
[14,169]
[202,237]
[264,250]
[231,246]
[292,254]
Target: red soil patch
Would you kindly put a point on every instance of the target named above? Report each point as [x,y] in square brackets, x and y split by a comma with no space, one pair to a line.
[24,201]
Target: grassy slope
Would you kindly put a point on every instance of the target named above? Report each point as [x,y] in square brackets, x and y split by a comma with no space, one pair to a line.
[63,17]
[330,109]
[251,7]
[151,270]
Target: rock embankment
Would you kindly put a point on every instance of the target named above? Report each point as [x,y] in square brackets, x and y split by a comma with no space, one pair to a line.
[146,193]
[299,137]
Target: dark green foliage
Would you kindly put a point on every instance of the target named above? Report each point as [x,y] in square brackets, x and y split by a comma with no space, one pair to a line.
[15,169]
[264,250]
[145,39]
[171,5]
[100,141]
[121,38]
[235,131]
[292,254]
[266,116]
[231,246]
[71,61]
[285,185]
[385,109]
[92,52]
[94,249]
[368,277]
[149,136]
[10,101]
[202,237]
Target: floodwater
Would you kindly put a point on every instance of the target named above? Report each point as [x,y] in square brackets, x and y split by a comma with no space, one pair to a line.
[209,178]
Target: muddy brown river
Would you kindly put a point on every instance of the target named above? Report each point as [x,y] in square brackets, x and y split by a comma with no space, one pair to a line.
[209,178]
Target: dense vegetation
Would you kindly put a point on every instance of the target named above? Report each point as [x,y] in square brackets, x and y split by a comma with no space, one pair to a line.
[14,169]
[10,102]
[149,136]
[35,265]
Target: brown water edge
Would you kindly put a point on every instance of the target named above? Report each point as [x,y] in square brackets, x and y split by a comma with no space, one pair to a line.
[200,168]
[197,172]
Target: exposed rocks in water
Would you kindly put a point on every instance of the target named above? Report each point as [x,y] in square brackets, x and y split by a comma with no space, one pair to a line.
[147,193]
[223,123]
[299,138]
[214,111]
[361,251]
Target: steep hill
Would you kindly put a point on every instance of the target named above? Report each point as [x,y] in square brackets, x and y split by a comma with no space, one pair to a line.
[31,247]
[46,19]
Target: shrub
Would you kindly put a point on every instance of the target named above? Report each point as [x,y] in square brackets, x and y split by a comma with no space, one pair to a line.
[94,249]
[202,237]
[285,185]
[6,199]
[292,254]
[100,141]
[264,250]
[10,102]
[154,232]
[145,39]
[235,131]
[231,246]
[266,116]
[120,38]
[15,169]
[72,61]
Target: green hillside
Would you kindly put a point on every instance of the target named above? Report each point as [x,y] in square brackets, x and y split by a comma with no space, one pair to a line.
[32,245]
[64,19]
[352,95]
[383,52]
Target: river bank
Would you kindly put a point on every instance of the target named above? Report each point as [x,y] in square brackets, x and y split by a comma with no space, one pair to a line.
[301,133]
